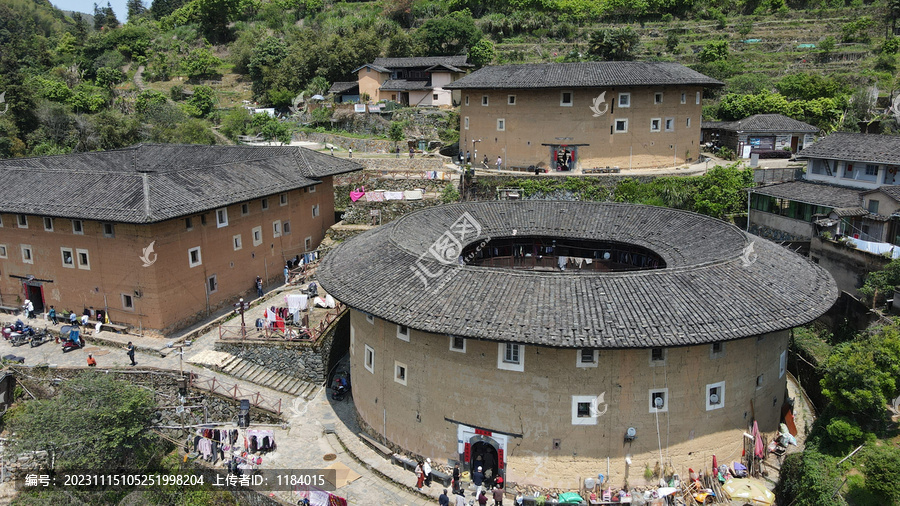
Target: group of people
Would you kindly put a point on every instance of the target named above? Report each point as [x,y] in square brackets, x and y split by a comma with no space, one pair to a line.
[486,487]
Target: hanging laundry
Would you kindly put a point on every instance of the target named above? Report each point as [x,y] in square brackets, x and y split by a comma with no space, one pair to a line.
[393,195]
[354,196]
[562,263]
[412,195]
[374,196]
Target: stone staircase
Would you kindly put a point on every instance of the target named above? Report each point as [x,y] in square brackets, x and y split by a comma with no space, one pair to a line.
[255,373]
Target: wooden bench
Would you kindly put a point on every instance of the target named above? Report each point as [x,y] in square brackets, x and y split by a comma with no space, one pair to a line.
[376,445]
[9,309]
[122,329]
[441,477]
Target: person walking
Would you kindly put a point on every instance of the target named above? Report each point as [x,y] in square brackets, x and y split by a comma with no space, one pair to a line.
[52,316]
[29,308]
[427,470]
[455,483]
[287,275]
[478,480]
[460,498]
[443,500]
[91,361]
[482,499]
[129,350]
[411,152]
[420,476]
[259,290]
[499,162]
[498,496]
[468,158]
[332,150]
[350,152]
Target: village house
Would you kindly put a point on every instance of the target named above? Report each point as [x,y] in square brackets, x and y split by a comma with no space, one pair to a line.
[415,82]
[760,132]
[570,116]
[547,340]
[159,236]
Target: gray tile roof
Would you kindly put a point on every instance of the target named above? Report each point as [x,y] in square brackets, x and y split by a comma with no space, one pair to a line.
[808,192]
[405,85]
[376,68]
[460,61]
[705,293]
[342,86]
[763,123]
[870,148]
[438,68]
[849,211]
[582,75]
[155,182]
[891,190]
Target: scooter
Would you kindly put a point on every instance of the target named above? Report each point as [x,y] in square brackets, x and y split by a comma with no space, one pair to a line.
[341,387]
[73,341]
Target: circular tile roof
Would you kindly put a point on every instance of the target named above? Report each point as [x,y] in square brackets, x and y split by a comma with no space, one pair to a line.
[718,284]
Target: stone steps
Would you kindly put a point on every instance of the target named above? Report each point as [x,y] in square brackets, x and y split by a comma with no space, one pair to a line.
[259,375]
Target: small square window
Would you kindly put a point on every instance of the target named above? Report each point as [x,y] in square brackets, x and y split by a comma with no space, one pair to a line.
[370,318]
[585,410]
[221,217]
[194,258]
[657,98]
[84,261]
[466,123]
[565,98]
[621,126]
[276,228]
[77,227]
[188,223]
[484,100]
[458,344]
[315,211]
[657,356]
[48,224]
[434,96]
[715,396]
[511,100]
[282,199]
[211,284]
[370,359]
[654,124]
[257,236]
[624,99]
[659,402]
[467,100]
[236,240]
[511,355]
[307,243]
[759,381]
[245,209]
[109,230]
[68,257]
[265,204]
[286,228]
[27,256]
[670,124]
[501,124]
[588,357]
[716,350]
[312,189]
[203,219]
[127,301]
[687,122]
[22,220]
[684,98]
[871,170]
[3,251]
[400,373]
[403,333]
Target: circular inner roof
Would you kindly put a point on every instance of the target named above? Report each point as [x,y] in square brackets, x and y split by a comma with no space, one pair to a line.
[718,284]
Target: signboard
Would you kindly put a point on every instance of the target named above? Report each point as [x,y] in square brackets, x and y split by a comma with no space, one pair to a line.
[359,107]
[375,108]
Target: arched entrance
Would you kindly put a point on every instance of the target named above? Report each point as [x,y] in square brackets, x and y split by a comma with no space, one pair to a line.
[484,455]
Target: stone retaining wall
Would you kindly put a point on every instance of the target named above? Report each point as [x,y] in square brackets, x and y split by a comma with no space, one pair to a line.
[404,163]
[308,362]
[359,213]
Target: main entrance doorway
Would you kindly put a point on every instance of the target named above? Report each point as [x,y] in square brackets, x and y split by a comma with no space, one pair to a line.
[35,294]
[484,455]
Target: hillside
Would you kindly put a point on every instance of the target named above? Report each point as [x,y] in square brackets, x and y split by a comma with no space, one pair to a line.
[180,71]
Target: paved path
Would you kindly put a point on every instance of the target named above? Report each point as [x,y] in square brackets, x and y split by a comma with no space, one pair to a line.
[302,446]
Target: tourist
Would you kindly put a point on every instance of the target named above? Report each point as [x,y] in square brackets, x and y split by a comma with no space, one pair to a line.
[411,152]
[443,500]
[460,498]
[498,496]
[427,470]
[259,290]
[455,483]
[91,361]
[485,162]
[420,476]
[460,158]
[478,480]
[482,499]
[73,318]
[499,162]
[129,350]
[520,499]
[350,152]
[468,158]
[52,316]
[287,274]
[29,308]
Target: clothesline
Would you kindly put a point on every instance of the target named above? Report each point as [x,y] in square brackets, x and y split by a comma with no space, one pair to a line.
[382,195]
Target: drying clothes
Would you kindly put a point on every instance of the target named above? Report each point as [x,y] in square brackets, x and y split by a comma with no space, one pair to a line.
[412,194]
[354,196]
[562,263]
[393,195]
[296,302]
[374,196]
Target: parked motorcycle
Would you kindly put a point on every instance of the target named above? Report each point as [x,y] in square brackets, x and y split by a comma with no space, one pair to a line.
[9,330]
[341,387]
[22,336]
[73,339]
[40,337]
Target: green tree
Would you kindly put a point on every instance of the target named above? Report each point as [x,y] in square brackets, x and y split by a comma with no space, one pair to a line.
[449,35]
[721,191]
[879,284]
[880,466]
[162,8]
[148,99]
[95,422]
[449,194]
[857,30]
[203,99]
[235,123]
[264,64]
[318,86]
[104,17]
[200,63]
[135,8]
[270,128]
[107,77]
[214,16]
[482,53]
[716,50]
[395,131]
[808,86]
[614,44]
[809,478]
